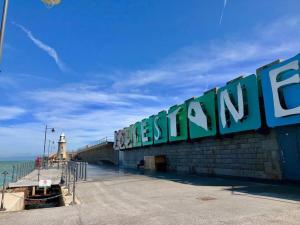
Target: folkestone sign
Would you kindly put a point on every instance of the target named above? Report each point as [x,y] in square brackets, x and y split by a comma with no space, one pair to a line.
[229,109]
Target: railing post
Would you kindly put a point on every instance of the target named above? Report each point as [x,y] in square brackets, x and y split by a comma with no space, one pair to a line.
[3,191]
[79,175]
[76,171]
[74,181]
[82,170]
[85,170]
[13,174]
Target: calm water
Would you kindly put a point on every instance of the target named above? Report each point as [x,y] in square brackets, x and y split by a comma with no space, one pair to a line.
[7,166]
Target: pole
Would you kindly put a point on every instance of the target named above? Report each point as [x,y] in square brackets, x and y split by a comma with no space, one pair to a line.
[17,172]
[48,154]
[74,181]
[3,23]
[3,191]
[45,136]
[13,173]
[76,165]
[39,170]
[85,170]
[69,177]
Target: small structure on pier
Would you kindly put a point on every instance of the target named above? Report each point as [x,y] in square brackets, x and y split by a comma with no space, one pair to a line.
[62,148]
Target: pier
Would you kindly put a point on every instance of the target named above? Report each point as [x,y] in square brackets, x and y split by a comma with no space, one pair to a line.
[113,196]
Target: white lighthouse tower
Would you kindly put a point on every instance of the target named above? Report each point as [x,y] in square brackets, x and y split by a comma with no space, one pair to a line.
[62,148]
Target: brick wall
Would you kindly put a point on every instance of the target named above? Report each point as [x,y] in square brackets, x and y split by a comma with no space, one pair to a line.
[247,154]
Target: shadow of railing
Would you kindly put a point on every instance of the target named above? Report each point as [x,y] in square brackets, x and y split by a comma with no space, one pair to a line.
[257,188]
[238,186]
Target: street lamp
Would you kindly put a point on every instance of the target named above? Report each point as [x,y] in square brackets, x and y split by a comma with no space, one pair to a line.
[46,129]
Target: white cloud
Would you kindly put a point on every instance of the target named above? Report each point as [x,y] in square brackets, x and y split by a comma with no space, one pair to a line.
[220,60]
[10,112]
[87,113]
[222,13]
[49,50]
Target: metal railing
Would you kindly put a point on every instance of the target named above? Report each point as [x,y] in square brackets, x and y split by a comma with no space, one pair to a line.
[20,170]
[95,143]
[74,171]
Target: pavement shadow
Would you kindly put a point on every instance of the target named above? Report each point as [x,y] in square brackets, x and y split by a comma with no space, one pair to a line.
[237,186]
[255,188]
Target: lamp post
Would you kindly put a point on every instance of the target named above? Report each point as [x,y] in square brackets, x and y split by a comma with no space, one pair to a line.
[49,148]
[45,137]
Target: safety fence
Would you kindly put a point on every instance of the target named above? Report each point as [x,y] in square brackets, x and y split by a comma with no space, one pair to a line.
[95,143]
[71,172]
[20,170]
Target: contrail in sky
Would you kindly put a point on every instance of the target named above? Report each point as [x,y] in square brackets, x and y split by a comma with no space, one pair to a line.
[49,50]
[221,18]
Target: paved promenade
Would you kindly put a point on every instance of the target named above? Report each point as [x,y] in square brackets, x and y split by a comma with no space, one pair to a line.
[32,178]
[112,197]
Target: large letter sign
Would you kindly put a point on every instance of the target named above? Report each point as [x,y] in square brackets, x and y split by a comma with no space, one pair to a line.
[160,128]
[202,115]
[281,89]
[232,108]
[116,141]
[238,106]
[136,135]
[147,131]
[128,137]
[177,123]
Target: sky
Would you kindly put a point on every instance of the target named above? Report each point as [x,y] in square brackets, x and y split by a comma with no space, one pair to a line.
[88,68]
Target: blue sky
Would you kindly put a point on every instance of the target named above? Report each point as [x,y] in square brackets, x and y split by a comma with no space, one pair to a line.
[88,68]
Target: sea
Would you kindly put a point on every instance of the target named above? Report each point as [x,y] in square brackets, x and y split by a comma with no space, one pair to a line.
[7,166]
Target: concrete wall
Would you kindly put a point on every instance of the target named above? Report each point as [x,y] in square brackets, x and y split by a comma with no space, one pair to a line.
[247,154]
[14,201]
[99,153]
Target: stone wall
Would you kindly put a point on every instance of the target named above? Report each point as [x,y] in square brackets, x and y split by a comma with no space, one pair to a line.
[247,154]
[100,153]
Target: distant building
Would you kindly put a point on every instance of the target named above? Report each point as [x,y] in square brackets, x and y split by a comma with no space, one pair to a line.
[62,148]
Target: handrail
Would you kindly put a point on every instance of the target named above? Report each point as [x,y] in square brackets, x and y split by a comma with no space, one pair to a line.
[95,143]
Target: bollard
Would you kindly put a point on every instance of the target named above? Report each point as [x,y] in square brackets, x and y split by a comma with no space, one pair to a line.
[3,191]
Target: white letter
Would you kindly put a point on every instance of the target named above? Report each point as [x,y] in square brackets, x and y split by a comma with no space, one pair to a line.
[144,131]
[199,118]
[121,139]
[224,98]
[158,136]
[116,142]
[173,122]
[127,138]
[275,85]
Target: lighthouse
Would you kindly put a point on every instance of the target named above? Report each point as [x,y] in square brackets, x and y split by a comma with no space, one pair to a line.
[62,148]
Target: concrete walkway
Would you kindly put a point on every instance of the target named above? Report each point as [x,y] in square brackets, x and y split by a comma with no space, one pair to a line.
[32,179]
[113,197]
